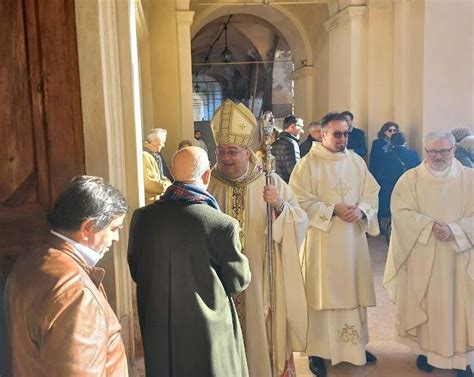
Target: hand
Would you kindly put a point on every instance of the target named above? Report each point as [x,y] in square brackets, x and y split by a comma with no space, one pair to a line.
[347,212]
[442,232]
[271,196]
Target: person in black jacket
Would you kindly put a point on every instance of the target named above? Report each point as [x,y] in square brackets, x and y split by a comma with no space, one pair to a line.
[286,149]
[314,131]
[396,162]
[356,136]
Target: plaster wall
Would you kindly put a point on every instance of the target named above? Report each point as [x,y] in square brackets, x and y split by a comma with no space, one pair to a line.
[165,74]
[448,65]
[340,61]
[321,81]
[380,66]
[408,69]
[359,68]
[142,17]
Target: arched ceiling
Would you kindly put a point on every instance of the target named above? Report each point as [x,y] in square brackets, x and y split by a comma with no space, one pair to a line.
[249,38]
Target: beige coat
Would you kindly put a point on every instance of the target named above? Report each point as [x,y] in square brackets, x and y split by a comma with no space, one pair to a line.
[155,183]
[60,321]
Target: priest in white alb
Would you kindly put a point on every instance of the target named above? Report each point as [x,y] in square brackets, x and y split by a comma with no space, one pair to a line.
[335,188]
[238,184]
[430,266]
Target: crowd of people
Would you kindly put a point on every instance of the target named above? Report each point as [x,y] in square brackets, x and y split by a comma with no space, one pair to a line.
[210,302]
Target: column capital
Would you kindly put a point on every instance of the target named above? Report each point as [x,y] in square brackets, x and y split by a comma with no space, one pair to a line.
[344,16]
[301,73]
[185,16]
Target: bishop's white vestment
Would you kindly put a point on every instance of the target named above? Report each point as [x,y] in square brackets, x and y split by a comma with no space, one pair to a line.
[243,200]
[337,268]
[431,282]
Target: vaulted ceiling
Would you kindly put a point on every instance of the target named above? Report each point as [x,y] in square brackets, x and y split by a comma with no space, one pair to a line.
[250,39]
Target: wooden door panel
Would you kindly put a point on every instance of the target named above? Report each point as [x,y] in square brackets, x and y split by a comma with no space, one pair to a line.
[17,156]
[40,116]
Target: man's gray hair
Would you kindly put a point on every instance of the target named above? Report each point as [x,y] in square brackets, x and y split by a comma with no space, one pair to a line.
[87,198]
[155,133]
[437,135]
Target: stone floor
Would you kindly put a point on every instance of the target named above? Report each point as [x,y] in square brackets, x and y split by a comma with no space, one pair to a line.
[394,360]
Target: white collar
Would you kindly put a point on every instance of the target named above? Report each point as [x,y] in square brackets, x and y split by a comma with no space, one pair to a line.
[92,257]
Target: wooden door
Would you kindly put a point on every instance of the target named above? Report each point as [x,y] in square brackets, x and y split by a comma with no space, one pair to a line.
[40,116]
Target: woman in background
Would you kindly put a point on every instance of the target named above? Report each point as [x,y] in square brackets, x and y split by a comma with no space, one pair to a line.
[381,147]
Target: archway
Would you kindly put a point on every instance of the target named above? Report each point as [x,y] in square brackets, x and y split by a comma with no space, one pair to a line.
[293,33]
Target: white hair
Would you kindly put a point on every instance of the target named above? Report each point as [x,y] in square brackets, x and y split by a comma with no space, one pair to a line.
[156,133]
[438,135]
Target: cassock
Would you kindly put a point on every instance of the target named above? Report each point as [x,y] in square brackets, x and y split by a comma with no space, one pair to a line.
[338,273]
[431,282]
[243,200]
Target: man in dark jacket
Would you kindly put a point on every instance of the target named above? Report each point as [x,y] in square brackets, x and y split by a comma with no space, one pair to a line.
[185,256]
[314,134]
[356,136]
[286,149]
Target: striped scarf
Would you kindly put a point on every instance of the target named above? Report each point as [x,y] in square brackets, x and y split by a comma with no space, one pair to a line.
[188,193]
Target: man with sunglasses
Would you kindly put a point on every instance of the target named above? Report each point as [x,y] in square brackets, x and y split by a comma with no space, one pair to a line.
[339,195]
[430,266]
[238,183]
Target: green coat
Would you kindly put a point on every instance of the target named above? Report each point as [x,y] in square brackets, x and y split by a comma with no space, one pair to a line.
[186,261]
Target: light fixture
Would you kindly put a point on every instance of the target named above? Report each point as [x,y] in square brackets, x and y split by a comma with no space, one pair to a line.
[196,88]
[226,54]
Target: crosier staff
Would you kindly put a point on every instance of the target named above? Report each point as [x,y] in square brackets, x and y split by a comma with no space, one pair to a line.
[267,129]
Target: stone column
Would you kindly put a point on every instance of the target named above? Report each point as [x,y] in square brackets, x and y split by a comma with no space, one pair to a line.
[103,38]
[304,87]
[184,20]
[348,62]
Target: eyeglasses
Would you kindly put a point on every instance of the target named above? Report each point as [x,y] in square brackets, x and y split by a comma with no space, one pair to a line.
[339,134]
[392,130]
[229,152]
[441,152]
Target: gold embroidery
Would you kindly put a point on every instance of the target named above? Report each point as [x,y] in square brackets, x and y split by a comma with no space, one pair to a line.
[348,334]
[323,218]
[237,209]
[341,189]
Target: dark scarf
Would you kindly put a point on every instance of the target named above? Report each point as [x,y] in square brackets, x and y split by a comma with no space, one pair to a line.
[188,193]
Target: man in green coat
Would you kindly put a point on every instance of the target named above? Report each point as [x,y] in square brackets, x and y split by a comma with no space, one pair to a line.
[185,256]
